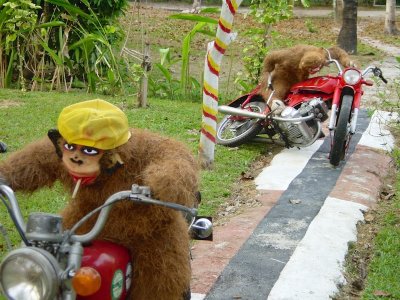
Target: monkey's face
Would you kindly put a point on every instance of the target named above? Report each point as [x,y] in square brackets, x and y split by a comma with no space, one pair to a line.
[312,62]
[81,161]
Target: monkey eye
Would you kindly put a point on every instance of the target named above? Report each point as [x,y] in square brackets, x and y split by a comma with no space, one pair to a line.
[90,151]
[69,147]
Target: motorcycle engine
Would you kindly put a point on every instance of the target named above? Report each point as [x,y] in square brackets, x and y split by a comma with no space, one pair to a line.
[302,133]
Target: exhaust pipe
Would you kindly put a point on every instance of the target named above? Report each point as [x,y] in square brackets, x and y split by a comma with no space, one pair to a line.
[240,112]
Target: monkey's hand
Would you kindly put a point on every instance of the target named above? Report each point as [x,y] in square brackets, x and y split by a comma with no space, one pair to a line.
[172,180]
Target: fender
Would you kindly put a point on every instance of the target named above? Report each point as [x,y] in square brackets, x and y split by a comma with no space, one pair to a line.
[250,97]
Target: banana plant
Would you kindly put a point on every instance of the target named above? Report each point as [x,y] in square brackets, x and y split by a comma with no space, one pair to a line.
[17,21]
[92,48]
[168,87]
[205,25]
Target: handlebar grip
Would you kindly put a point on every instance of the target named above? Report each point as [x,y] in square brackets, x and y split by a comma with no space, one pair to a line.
[378,72]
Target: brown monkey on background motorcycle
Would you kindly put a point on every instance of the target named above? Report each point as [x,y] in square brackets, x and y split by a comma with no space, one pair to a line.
[288,66]
[94,154]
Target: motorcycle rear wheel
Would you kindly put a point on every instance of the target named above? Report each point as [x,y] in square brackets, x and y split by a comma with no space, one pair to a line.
[341,135]
[234,133]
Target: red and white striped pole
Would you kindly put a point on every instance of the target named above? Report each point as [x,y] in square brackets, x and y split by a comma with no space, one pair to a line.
[212,65]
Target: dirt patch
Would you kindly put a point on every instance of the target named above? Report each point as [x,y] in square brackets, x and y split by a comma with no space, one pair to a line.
[8,103]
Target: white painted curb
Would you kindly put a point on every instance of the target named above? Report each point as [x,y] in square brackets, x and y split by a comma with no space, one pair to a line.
[284,167]
[315,268]
[196,296]
[377,134]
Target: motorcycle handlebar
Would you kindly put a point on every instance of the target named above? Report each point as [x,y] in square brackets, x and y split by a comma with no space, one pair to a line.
[101,219]
[9,194]
[139,194]
[331,60]
[383,79]
[377,71]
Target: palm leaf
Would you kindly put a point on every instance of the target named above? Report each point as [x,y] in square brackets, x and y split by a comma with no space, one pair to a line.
[212,10]
[207,32]
[73,10]
[89,38]
[52,53]
[186,54]
[51,24]
[195,18]
[164,55]
[165,72]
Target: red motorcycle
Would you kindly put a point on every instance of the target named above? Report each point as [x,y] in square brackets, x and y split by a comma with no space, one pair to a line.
[305,108]
[54,263]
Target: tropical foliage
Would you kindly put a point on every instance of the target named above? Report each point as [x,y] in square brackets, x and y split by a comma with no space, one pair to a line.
[59,44]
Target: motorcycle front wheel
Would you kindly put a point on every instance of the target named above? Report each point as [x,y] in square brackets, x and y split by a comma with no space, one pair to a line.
[234,132]
[341,135]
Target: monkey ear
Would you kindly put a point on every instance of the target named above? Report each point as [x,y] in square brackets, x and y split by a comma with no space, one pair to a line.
[55,137]
[110,161]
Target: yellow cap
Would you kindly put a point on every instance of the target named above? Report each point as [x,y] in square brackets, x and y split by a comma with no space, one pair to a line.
[94,123]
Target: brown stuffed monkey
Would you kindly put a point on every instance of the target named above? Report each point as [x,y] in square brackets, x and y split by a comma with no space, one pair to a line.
[288,66]
[94,154]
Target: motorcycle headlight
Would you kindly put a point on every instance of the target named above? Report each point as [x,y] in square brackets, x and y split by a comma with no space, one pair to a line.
[29,273]
[351,76]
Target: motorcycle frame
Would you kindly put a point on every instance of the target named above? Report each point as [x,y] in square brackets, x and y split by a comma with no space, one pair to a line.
[342,89]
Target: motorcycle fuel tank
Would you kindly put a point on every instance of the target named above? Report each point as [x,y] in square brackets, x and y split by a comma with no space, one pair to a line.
[323,84]
[113,263]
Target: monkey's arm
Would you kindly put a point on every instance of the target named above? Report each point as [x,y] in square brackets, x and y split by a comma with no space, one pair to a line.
[169,168]
[32,167]
[341,55]
[273,58]
[173,179]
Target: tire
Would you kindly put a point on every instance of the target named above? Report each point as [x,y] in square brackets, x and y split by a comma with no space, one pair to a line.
[341,132]
[234,133]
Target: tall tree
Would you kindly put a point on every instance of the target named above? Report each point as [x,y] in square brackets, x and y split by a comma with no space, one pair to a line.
[390,18]
[347,38]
